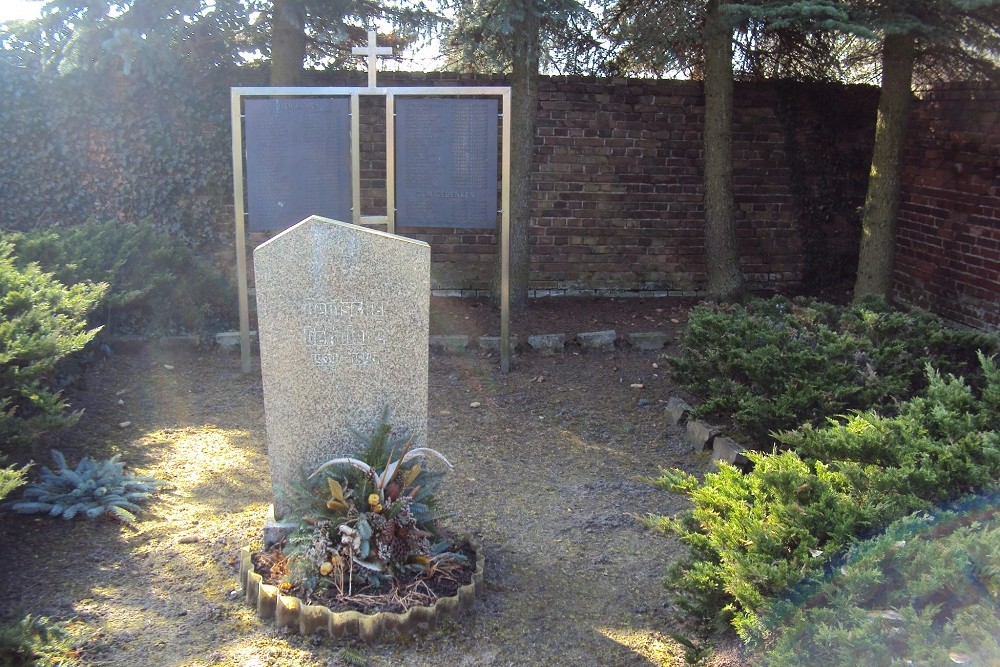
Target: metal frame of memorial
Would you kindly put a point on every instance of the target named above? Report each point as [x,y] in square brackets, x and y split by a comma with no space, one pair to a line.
[240,94]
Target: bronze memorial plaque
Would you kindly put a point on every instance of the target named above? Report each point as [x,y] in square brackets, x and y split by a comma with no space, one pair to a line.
[446,162]
[298,160]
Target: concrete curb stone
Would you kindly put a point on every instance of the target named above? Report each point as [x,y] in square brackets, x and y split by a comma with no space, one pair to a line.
[449,343]
[647,340]
[547,343]
[598,341]
[700,435]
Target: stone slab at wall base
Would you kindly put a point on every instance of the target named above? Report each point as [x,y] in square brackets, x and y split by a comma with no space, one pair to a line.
[677,410]
[700,435]
[597,341]
[449,343]
[649,340]
[274,530]
[726,449]
[547,343]
[492,343]
[229,341]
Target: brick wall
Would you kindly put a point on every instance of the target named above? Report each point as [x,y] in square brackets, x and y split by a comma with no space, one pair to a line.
[617,194]
[948,233]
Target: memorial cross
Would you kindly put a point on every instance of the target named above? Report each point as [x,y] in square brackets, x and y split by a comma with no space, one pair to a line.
[371,51]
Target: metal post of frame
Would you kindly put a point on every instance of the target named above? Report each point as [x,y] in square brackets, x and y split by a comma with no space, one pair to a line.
[390,163]
[236,104]
[505,239]
[355,159]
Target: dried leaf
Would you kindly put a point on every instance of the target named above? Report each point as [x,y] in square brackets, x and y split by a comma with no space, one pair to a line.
[336,491]
[411,475]
[336,505]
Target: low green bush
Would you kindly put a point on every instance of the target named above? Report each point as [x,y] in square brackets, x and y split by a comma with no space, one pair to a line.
[776,364]
[42,321]
[927,592]
[35,641]
[156,284]
[92,489]
[756,536]
[752,536]
[11,478]
[940,444]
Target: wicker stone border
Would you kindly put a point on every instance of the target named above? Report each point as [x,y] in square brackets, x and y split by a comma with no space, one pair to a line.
[291,613]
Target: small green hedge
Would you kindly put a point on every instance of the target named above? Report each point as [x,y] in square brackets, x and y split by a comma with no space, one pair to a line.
[95,143]
[42,321]
[156,284]
[774,365]
[927,592]
[755,536]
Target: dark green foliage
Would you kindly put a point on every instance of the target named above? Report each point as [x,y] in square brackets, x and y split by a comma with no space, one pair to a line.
[156,284]
[91,490]
[41,322]
[99,144]
[755,537]
[776,364]
[927,592]
[693,653]
[34,642]
[943,443]
[352,657]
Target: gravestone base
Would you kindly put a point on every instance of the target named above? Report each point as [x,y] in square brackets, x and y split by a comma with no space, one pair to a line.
[274,530]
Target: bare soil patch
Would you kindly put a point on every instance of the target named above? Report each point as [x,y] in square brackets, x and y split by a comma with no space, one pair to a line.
[549,477]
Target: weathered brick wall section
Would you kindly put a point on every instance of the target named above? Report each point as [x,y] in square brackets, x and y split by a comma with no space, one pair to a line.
[948,234]
[618,201]
[617,194]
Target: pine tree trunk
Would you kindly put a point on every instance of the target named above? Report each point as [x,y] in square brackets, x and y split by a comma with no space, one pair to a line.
[288,42]
[878,224]
[524,105]
[722,261]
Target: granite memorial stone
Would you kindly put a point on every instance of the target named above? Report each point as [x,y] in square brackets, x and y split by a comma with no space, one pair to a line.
[343,325]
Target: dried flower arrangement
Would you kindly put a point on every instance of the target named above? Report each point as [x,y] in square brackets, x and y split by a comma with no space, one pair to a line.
[368,536]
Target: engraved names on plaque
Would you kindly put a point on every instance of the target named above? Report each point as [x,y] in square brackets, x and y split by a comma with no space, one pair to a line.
[298,160]
[446,162]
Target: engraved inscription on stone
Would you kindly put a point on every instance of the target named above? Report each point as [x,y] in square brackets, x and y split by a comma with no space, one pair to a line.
[446,162]
[348,331]
[298,160]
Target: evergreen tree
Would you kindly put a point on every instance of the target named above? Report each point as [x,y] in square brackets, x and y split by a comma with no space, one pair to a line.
[321,33]
[696,36]
[932,39]
[80,34]
[519,36]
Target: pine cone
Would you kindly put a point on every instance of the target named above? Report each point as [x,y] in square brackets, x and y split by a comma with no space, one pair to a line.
[388,532]
[400,549]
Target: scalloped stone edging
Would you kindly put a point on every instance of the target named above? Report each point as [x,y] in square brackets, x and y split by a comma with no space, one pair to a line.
[292,613]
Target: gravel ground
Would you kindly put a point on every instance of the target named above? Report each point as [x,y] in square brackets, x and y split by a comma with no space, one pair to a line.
[548,475]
